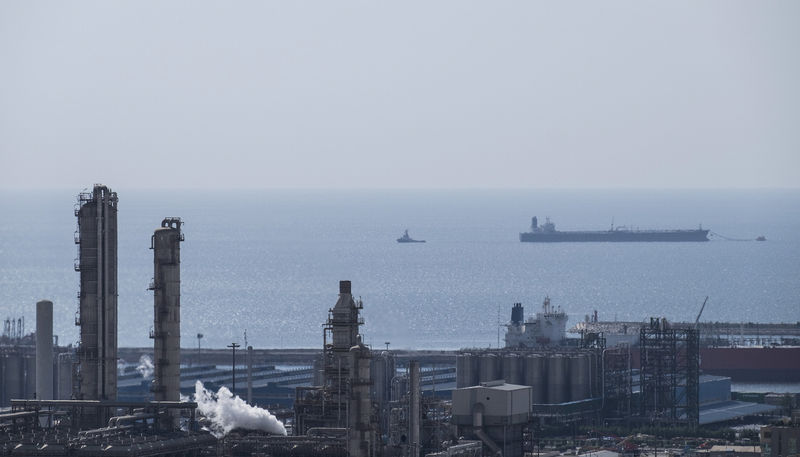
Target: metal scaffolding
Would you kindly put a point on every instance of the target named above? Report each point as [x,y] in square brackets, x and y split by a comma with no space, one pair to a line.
[669,376]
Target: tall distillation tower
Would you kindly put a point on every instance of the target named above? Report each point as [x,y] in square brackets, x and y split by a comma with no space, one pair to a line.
[97,315]
[166,287]
[343,400]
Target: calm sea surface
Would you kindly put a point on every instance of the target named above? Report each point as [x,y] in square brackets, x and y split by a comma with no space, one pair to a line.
[269,262]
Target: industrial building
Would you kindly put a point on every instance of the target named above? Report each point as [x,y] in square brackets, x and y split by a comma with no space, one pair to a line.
[359,403]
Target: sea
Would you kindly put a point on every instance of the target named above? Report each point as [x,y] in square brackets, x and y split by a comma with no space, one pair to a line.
[262,267]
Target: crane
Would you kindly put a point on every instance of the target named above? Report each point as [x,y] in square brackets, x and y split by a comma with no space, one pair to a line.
[697,321]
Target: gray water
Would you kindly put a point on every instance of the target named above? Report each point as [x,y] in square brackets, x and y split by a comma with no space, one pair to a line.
[269,262]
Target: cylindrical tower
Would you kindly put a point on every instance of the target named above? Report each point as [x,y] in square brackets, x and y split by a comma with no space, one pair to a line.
[44,350]
[167,309]
[97,264]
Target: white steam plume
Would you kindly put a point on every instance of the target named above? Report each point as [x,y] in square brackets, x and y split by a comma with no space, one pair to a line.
[146,366]
[227,412]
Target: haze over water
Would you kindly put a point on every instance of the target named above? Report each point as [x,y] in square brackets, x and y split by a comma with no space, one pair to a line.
[270,261]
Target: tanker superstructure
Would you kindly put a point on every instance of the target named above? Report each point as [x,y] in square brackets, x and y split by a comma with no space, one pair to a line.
[547,328]
[547,233]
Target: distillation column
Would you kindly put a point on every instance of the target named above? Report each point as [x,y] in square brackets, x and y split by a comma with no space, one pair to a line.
[97,264]
[167,309]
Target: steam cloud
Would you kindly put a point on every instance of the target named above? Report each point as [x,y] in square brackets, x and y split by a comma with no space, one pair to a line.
[146,366]
[227,412]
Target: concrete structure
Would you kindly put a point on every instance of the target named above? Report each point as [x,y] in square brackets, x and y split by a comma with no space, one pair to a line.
[738,451]
[780,441]
[494,413]
[166,287]
[44,350]
[97,264]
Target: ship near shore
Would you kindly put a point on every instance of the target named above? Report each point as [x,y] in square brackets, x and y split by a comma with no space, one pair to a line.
[547,233]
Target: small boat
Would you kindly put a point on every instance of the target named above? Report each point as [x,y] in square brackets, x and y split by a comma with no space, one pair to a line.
[407,239]
[761,238]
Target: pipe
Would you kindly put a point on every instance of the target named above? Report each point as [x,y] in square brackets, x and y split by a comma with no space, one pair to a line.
[249,375]
[488,441]
[414,409]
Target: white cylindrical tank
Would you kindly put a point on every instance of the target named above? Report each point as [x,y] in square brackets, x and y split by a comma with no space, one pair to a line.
[579,377]
[65,365]
[557,366]
[466,370]
[512,370]
[44,350]
[13,372]
[489,368]
[536,376]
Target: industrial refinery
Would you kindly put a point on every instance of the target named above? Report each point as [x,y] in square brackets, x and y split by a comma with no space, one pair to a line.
[345,398]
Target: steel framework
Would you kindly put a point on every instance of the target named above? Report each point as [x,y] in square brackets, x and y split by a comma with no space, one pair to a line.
[669,376]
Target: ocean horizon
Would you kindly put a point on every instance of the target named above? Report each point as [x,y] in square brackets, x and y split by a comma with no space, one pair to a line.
[269,261]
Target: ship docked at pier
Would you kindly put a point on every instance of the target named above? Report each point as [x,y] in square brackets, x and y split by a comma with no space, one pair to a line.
[547,233]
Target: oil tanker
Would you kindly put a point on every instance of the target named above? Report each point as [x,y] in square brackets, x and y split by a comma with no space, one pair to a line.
[547,233]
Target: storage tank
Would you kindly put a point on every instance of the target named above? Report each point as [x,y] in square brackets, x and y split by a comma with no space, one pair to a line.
[512,369]
[579,377]
[30,376]
[489,367]
[595,373]
[383,370]
[557,366]
[536,376]
[466,370]
[65,364]
[13,380]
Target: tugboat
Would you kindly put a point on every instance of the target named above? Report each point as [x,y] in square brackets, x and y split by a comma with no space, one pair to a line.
[761,238]
[407,239]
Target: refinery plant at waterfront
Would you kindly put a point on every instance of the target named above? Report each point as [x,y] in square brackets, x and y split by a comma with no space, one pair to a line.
[549,388]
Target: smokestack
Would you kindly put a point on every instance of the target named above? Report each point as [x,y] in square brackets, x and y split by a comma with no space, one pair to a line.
[517,314]
[249,375]
[344,287]
[44,350]
[166,288]
[97,264]
[414,408]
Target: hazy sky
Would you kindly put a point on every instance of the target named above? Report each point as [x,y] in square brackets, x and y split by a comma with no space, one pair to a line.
[399,94]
